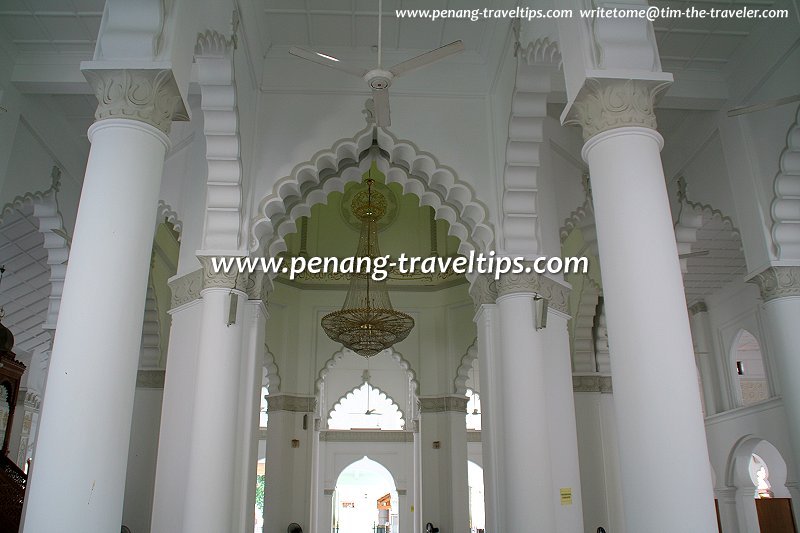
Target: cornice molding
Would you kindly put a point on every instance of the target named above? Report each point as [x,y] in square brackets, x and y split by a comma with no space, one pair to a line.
[605,104]
[232,279]
[596,383]
[778,282]
[483,290]
[699,307]
[150,379]
[442,404]
[556,294]
[146,95]
[291,402]
[332,435]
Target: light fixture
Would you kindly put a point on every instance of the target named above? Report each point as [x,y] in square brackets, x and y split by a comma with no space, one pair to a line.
[367,323]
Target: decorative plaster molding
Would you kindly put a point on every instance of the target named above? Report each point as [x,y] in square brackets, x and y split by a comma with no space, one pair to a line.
[164,212]
[290,402]
[778,282]
[483,290]
[441,404]
[56,242]
[467,363]
[233,279]
[604,104]
[581,331]
[524,147]
[541,51]
[785,208]
[698,307]
[592,383]
[224,227]
[131,30]
[556,294]
[396,356]
[31,399]
[418,172]
[186,288]
[150,379]
[333,435]
[272,377]
[147,95]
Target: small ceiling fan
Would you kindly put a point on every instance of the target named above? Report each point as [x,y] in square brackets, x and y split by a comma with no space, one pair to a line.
[365,377]
[378,78]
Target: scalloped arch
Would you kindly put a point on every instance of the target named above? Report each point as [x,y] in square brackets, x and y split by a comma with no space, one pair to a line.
[785,207]
[396,356]
[272,376]
[542,51]
[165,212]
[467,362]
[418,173]
[381,394]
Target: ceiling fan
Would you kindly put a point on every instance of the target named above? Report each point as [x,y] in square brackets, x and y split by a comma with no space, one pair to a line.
[365,377]
[378,78]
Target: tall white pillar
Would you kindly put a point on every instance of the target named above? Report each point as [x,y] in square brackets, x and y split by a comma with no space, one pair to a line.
[780,291]
[443,436]
[287,496]
[526,450]
[211,476]
[704,355]
[656,397]
[404,512]
[78,480]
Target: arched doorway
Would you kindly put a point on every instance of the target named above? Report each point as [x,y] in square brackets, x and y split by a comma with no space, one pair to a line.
[749,370]
[365,499]
[477,510]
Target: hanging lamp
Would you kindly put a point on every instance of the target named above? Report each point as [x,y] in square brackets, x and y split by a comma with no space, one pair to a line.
[367,323]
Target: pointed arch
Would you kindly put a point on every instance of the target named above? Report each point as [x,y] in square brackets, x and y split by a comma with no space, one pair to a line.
[396,356]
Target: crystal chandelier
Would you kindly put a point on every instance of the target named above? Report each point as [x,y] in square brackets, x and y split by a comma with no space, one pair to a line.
[367,324]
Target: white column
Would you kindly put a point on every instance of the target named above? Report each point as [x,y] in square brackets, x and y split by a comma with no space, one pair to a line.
[404,512]
[211,476]
[780,290]
[78,480]
[287,497]
[704,355]
[657,401]
[443,435]
[325,524]
[526,449]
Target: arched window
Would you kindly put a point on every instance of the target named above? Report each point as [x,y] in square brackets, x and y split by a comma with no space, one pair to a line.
[473,410]
[366,407]
[748,367]
[759,474]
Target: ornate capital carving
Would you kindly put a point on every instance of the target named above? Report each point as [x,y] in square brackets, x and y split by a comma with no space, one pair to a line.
[441,404]
[232,279]
[289,402]
[483,290]
[556,294]
[699,307]
[596,383]
[150,379]
[778,282]
[146,95]
[604,104]
[186,288]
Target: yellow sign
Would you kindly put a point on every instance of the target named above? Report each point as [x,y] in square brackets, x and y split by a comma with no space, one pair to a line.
[566,496]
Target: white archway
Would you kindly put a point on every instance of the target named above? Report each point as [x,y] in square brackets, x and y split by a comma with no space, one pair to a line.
[364,490]
[746,364]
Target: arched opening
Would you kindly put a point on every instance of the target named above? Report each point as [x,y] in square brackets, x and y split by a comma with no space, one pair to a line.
[366,407]
[365,500]
[763,502]
[477,510]
[473,410]
[749,370]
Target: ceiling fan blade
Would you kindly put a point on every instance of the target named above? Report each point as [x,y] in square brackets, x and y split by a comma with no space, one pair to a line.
[698,253]
[327,60]
[427,58]
[382,115]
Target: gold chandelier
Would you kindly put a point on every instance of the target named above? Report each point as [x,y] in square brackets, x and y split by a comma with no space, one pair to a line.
[366,323]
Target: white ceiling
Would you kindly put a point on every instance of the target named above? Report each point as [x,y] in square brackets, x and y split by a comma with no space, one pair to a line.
[25,288]
[51,25]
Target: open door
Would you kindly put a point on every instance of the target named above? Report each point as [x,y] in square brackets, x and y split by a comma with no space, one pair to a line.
[775,515]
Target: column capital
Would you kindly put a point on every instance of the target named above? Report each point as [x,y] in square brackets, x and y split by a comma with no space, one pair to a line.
[778,282]
[441,404]
[148,95]
[556,294]
[607,103]
[296,403]
[592,383]
[483,290]
[212,279]
[698,307]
